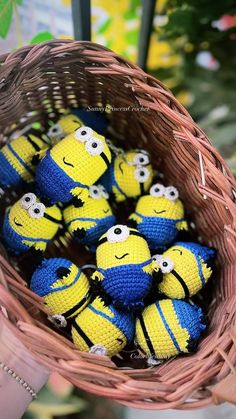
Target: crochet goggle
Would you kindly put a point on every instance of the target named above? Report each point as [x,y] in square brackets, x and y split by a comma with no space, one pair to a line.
[36,209]
[170,192]
[118,233]
[97,192]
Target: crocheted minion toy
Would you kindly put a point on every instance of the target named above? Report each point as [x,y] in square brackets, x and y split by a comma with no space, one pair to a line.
[72,165]
[87,223]
[16,159]
[102,329]
[159,216]
[129,175]
[64,126]
[29,224]
[63,286]
[124,267]
[168,328]
[186,268]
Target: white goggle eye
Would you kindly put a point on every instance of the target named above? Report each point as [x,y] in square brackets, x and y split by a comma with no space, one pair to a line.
[103,192]
[142,174]
[117,233]
[94,192]
[27,200]
[55,131]
[94,146]
[165,264]
[157,190]
[141,159]
[37,210]
[83,133]
[171,193]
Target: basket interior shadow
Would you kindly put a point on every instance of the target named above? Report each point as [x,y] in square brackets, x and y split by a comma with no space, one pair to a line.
[37,83]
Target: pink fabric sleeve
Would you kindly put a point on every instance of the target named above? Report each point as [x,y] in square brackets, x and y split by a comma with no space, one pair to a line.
[14,399]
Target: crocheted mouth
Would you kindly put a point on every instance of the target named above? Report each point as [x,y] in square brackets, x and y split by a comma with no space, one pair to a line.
[120,167]
[67,163]
[177,250]
[121,257]
[106,211]
[17,224]
[159,212]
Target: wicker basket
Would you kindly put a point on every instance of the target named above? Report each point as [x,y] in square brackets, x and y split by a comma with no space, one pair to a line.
[58,74]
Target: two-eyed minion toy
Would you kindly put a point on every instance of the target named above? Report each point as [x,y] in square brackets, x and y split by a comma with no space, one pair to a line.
[72,165]
[129,176]
[159,216]
[17,158]
[102,329]
[63,287]
[86,224]
[186,268]
[124,267]
[30,224]
[168,328]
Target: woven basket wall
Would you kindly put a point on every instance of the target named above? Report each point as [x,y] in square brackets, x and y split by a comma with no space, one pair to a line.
[68,74]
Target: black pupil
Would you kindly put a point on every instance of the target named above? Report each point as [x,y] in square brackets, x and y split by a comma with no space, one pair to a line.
[117,231]
[55,129]
[142,173]
[172,193]
[94,145]
[27,199]
[141,159]
[95,191]
[165,264]
[157,190]
[36,211]
[83,132]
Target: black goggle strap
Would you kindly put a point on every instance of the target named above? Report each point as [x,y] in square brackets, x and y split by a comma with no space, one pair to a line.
[182,283]
[142,188]
[133,233]
[104,157]
[50,218]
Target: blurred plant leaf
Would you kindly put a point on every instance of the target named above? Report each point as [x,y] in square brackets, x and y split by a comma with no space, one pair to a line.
[41,37]
[6,13]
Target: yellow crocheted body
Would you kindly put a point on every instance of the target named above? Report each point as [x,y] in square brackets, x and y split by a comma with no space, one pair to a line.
[73,157]
[99,325]
[152,206]
[94,209]
[132,250]
[64,126]
[153,325]
[186,269]
[66,299]
[125,173]
[20,152]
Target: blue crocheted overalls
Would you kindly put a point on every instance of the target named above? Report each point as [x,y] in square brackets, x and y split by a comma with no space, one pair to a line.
[127,285]
[53,183]
[108,180]
[158,231]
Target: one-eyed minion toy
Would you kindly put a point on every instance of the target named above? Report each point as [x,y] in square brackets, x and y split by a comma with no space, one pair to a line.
[186,268]
[17,159]
[29,224]
[64,126]
[72,165]
[64,288]
[124,267]
[159,216]
[87,223]
[130,175]
[102,329]
[168,328]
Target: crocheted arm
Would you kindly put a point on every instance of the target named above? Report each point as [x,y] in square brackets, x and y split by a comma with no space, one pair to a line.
[38,156]
[97,276]
[136,218]
[118,196]
[79,228]
[152,266]
[182,225]
[41,246]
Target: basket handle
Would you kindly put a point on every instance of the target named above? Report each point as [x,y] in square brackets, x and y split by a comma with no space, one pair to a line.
[225,390]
